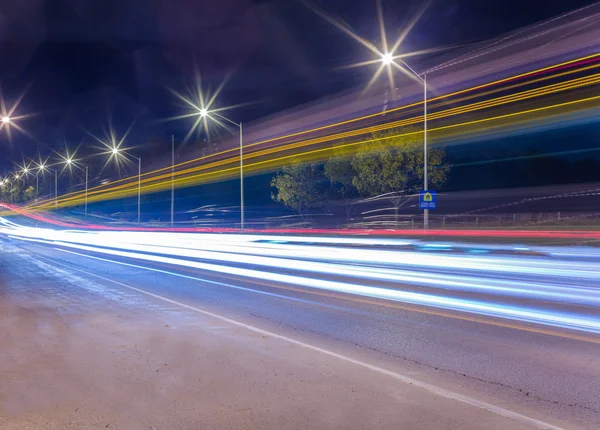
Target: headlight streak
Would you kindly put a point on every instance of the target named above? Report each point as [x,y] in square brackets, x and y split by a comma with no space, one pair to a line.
[354,233]
[185,245]
[552,281]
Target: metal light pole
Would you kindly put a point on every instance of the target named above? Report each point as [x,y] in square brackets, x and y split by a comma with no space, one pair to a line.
[423,80]
[139,187]
[116,152]
[205,113]
[425,158]
[40,168]
[172,179]
[241,181]
[55,188]
[73,163]
[86,192]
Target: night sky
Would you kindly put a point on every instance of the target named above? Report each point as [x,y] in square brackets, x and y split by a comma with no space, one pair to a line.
[80,59]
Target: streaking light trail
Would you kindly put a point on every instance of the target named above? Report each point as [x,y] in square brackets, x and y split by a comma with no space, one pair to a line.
[160,183]
[214,167]
[544,290]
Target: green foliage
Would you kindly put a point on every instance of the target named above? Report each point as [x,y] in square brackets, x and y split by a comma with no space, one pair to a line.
[16,191]
[393,162]
[29,194]
[300,187]
[5,192]
[340,173]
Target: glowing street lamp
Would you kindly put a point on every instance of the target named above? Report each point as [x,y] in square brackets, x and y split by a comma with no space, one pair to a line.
[6,119]
[116,151]
[389,60]
[42,168]
[423,80]
[205,113]
[70,162]
[200,104]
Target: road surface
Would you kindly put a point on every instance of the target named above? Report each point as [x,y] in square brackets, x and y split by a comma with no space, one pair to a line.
[158,330]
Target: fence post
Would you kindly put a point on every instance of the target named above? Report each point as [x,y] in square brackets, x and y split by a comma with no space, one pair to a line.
[476,221]
[412,223]
[514,219]
[558,218]
[443,221]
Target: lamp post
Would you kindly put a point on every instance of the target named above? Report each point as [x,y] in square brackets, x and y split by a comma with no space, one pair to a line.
[115,152]
[41,167]
[24,174]
[17,178]
[172,180]
[139,187]
[70,163]
[388,59]
[86,192]
[55,188]
[205,113]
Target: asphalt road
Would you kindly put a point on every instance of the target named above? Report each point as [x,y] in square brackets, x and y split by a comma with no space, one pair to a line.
[512,333]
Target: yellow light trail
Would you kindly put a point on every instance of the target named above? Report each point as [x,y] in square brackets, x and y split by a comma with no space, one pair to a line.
[353,120]
[550,89]
[578,82]
[310,155]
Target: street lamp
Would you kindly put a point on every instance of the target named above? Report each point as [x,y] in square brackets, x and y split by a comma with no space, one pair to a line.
[42,168]
[172,180]
[204,113]
[388,59]
[116,151]
[6,119]
[55,188]
[70,163]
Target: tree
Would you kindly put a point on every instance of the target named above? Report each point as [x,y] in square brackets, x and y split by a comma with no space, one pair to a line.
[300,187]
[340,173]
[29,194]
[392,164]
[5,190]
[16,191]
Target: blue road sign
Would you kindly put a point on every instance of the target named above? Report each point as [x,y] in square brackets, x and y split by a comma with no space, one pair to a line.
[427,199]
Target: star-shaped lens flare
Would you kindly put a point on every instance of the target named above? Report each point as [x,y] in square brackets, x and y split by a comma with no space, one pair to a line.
[9,117]
[112,146]
[68,159]
[200,105]
[388,57]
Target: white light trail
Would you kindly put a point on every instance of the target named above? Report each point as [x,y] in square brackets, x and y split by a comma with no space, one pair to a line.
[479,285]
